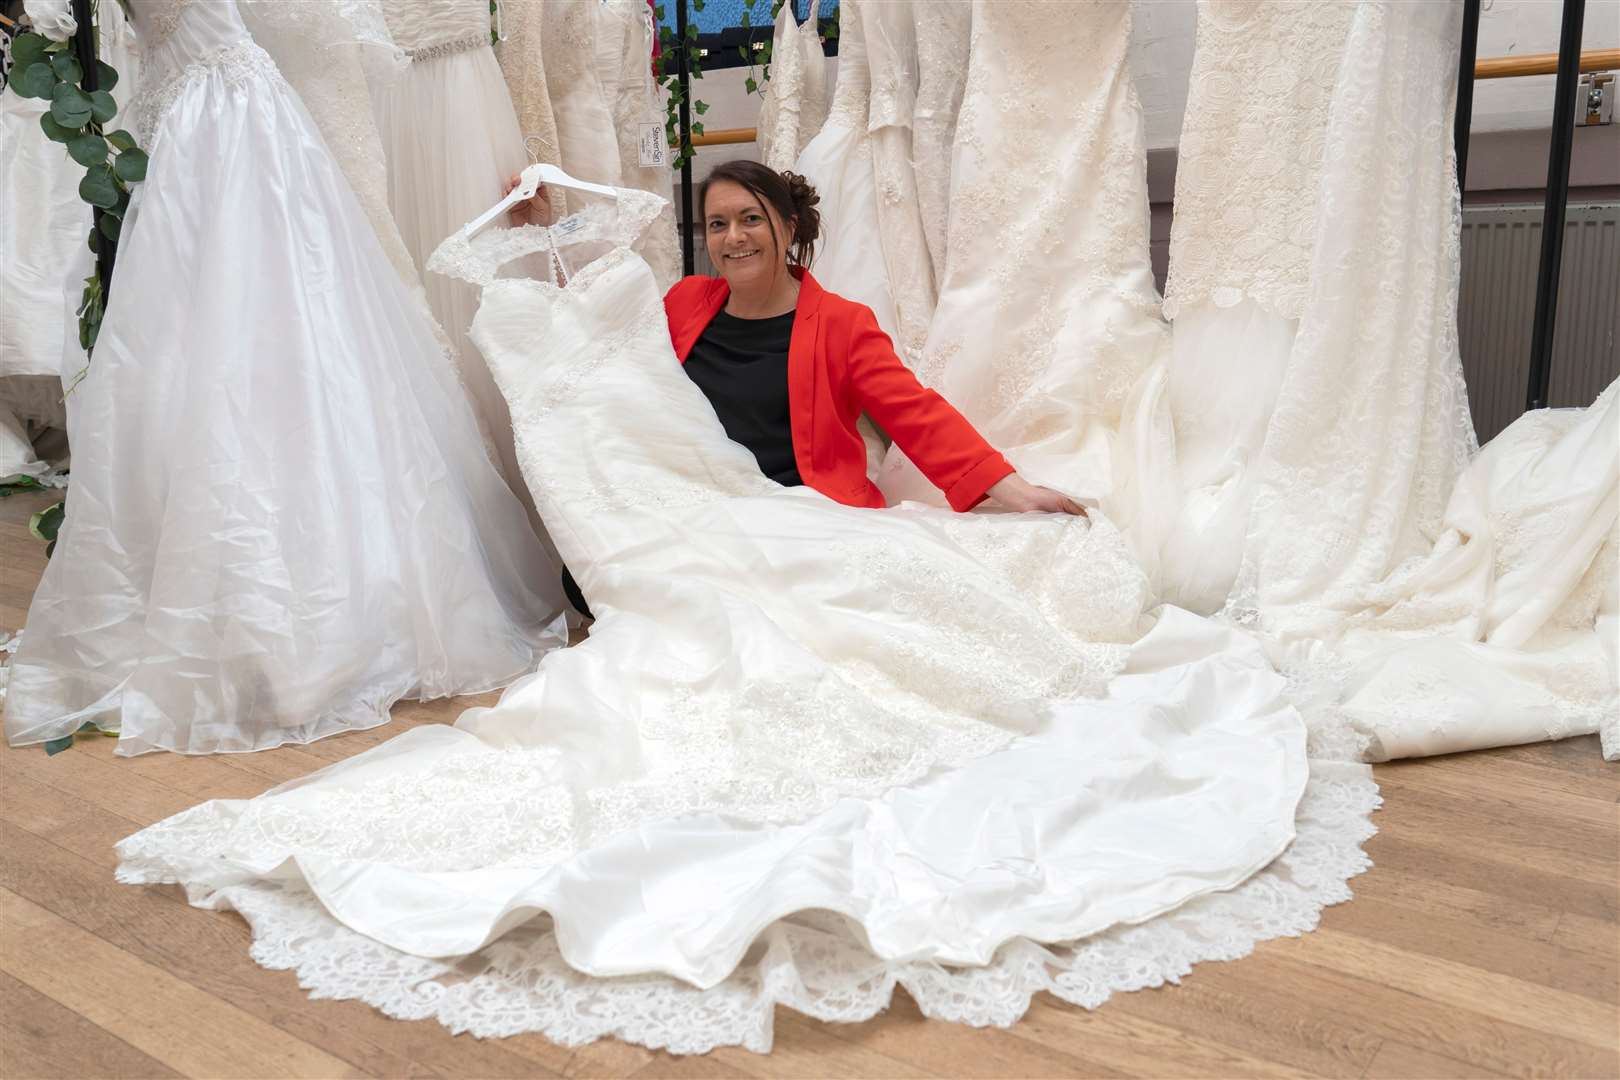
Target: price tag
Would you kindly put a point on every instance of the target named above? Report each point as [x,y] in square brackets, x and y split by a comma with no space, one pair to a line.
[654,148]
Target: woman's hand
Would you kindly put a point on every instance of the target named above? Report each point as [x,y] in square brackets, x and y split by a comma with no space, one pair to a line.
[536,211]
[1016,493]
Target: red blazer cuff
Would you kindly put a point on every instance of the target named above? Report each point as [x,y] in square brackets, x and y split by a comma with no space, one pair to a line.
[969,491]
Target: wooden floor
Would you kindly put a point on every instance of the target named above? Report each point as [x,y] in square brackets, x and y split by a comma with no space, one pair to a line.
[1483,943]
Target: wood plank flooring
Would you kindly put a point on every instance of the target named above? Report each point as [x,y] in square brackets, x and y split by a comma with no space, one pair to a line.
[1485,942]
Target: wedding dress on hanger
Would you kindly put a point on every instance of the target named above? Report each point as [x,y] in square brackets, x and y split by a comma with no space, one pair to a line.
[780,121]
[1248,188]
[795,105]
[943,31]
[451,139]
[1370,426]
[633,96]
[838,163]
[282,518]
[522,59]
[1050,314]
[786,708]
[891,56]
[570,37]
[44,261]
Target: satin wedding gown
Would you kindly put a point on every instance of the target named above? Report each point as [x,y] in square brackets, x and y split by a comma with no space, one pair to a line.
[786,708]
[282,518]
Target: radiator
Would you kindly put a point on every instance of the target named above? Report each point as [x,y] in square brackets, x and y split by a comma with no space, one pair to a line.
[1501,248]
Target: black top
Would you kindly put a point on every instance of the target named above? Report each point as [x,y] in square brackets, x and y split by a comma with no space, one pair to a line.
[741,367]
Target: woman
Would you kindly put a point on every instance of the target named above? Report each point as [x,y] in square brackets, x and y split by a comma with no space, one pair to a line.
[790,367]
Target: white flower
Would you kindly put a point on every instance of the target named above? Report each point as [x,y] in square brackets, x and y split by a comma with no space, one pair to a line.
[53,18]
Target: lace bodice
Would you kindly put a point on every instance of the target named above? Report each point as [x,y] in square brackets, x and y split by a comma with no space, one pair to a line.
[852,93]
[601,225]
[1250,159]
[427,28]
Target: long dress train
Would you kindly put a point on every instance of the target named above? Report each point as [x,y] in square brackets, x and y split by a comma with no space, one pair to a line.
[782,768]
[282,518]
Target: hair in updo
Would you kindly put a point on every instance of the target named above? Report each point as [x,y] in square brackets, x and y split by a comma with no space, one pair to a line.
[789,194]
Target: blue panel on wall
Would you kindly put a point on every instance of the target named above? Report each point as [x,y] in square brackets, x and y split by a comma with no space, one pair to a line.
[718,15]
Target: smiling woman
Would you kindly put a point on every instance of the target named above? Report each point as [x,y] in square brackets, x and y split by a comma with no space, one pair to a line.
[790,368]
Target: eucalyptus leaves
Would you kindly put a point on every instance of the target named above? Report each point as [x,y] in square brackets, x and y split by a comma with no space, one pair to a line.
[48,70]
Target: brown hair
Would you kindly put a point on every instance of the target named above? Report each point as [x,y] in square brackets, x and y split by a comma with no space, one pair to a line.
[789,194]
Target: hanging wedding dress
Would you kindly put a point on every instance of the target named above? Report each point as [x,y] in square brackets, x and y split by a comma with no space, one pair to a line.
[780,121]
[891,55]
[1370,426]
[838,164]
[586,141]
[43,230]
[795,105]
[625,41]
[522,59]
[1048,313]
[451,140]
[332,53]
[786,709]
[313,530]
[1248,187]
[943,31]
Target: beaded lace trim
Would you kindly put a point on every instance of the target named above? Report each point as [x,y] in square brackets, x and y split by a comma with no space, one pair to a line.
[449,48]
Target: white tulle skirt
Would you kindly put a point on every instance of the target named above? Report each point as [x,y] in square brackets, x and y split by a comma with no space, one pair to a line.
[452,138]
[282,519]
[1226,366]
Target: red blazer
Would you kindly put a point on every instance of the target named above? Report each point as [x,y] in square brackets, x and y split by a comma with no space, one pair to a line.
[840,364]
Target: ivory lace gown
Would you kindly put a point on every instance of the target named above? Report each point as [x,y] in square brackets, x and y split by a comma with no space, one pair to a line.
[282,518]
[1370,425]
[795,105]
[1047,312]
[891,54]
[943,29]
[786,707]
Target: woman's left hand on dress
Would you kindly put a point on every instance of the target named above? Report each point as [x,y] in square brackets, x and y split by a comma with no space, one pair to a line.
[1016,493]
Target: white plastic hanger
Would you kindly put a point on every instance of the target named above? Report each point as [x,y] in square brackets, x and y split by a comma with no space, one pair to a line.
[529,182]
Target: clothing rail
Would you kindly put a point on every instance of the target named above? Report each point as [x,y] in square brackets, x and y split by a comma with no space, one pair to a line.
[1513,67]
[1492,67]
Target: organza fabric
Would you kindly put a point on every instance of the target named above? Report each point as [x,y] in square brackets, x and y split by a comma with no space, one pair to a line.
[313,530]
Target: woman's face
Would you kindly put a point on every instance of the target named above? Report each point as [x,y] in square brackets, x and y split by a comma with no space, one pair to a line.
[746,238]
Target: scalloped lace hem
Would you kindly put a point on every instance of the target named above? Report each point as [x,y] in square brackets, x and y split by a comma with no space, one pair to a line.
[815,963]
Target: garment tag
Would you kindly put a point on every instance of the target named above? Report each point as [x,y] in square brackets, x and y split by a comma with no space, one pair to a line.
[654,148]
[567,227]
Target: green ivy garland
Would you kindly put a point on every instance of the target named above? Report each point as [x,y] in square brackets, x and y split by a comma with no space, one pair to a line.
[77,118]
[671,82]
